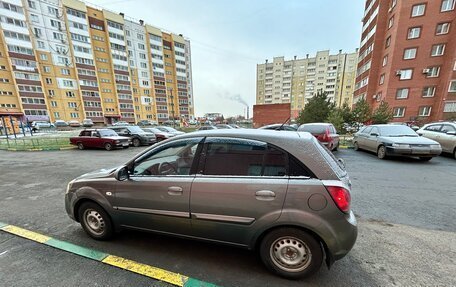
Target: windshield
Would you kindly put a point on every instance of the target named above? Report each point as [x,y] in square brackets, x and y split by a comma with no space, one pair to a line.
[135,129]
[107,133]
[397,131]
[313,129]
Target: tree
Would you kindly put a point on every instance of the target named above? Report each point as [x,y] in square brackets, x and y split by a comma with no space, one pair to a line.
[316,110]
[362,112]
[347,113]
[383,114]
[337,119]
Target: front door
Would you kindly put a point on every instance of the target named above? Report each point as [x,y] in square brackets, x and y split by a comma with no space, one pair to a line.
[157,194]
[240,186]
[447,140]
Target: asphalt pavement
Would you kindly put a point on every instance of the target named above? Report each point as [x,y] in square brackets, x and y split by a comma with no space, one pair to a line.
[405,208]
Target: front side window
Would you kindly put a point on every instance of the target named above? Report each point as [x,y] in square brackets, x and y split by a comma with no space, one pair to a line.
[433,128]
[171,160]
[243,158]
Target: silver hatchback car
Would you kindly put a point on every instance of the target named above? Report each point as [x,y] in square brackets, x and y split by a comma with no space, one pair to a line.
[283,194]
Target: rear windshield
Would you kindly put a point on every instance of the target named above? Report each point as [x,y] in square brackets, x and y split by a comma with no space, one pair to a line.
[313,129]
[336,165]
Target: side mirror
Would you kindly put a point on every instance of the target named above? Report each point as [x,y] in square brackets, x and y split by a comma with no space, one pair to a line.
[451,133]
[374,134]
[122,174]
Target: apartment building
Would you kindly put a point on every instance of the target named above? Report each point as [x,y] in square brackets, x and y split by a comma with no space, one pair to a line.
[296,81]
[407,58]
[69,60]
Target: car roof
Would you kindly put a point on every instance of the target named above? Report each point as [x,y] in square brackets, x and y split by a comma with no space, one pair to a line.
[317,124]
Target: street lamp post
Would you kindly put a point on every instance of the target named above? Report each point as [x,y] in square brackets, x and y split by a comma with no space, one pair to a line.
[172,105]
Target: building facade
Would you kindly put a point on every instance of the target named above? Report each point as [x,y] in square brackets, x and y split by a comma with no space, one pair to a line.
[407,58]
[296,81]
[68,60]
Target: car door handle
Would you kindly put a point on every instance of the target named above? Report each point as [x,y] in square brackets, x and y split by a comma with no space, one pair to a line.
[175,190]
[265,195]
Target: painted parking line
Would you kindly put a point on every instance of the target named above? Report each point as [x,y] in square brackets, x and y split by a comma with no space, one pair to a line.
[112,260]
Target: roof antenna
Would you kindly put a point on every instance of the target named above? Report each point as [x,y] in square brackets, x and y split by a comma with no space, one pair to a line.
[280,128]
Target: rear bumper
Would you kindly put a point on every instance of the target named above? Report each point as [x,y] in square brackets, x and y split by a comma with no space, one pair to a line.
[347,232]
[394,151]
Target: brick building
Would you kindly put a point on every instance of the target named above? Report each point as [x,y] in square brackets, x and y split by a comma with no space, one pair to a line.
[407,58]
[270,114]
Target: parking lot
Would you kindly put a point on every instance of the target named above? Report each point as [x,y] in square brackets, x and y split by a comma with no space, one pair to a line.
[405,211]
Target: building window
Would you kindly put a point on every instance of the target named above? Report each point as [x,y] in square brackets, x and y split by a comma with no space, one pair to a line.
[399,112]
[442,28]
[428,92]
[51,93]
[385,61]
[43,57]
[390,22]
[450,107]
[41,44]
[388,42]
[402,93]
[410,53]
[48,81]
[382,79]
[452,87]
[418,10]
[447,5]
[53,104]
[425,111]
[438,50]
[433,72]
[414,33]
[406,74]
[47,69]
[65,72]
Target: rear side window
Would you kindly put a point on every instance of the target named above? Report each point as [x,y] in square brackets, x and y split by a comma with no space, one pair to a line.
[234,157]
[85,134]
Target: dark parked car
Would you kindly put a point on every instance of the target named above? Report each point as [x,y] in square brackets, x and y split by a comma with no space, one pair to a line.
[395,140]
[281,193]
[279,127]
[60,124]
[147,123]
[324,132]
[160,135]
[100,138]
[136,134]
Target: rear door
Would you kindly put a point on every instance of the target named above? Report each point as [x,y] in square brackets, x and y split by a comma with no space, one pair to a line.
[240,185]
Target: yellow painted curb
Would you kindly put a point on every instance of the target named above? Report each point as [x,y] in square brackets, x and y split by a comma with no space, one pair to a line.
[146,270]
[26,233]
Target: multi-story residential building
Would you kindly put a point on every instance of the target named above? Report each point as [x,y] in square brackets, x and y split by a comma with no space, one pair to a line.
[69,60]
[296,81]
[408,58]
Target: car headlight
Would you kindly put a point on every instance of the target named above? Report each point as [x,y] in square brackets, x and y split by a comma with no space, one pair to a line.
[401,145]
[70,184]
[435,146]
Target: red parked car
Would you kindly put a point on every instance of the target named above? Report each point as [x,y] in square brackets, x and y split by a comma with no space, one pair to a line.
[100,138]
[324,132]
[159,134]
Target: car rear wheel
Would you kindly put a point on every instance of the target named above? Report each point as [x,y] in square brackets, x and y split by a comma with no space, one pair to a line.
[80,146]
[381,152]
[108,146]
[454,153]
[355,146]
[136,142]
[427,158]
[291,253]
[336,147]
[95,221]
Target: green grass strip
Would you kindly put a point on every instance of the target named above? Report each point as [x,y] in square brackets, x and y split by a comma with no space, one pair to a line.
[3,224]
[76,249]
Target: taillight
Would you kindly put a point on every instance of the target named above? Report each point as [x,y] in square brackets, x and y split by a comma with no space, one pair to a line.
[341,197]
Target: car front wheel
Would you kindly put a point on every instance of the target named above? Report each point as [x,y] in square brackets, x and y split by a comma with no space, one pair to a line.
[80,146]
[381,152]
[291,253]
[355,146]
[95,221]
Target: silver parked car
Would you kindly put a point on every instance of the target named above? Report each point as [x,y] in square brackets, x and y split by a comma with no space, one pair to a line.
[281,193]
[443,133]
[395,140]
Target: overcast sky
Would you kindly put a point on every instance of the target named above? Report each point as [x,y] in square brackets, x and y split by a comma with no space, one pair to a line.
[229,37]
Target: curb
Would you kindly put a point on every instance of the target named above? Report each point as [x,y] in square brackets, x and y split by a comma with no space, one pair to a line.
[345,147]
[108,259]
[40,149]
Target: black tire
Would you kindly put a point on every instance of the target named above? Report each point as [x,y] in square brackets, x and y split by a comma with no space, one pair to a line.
[136,142]
[80,146]
[90,211]
[336,147]
[355,146]
[125,147]
[381,152]
[454,153]
[294,241]
[108,146]
[425,158]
